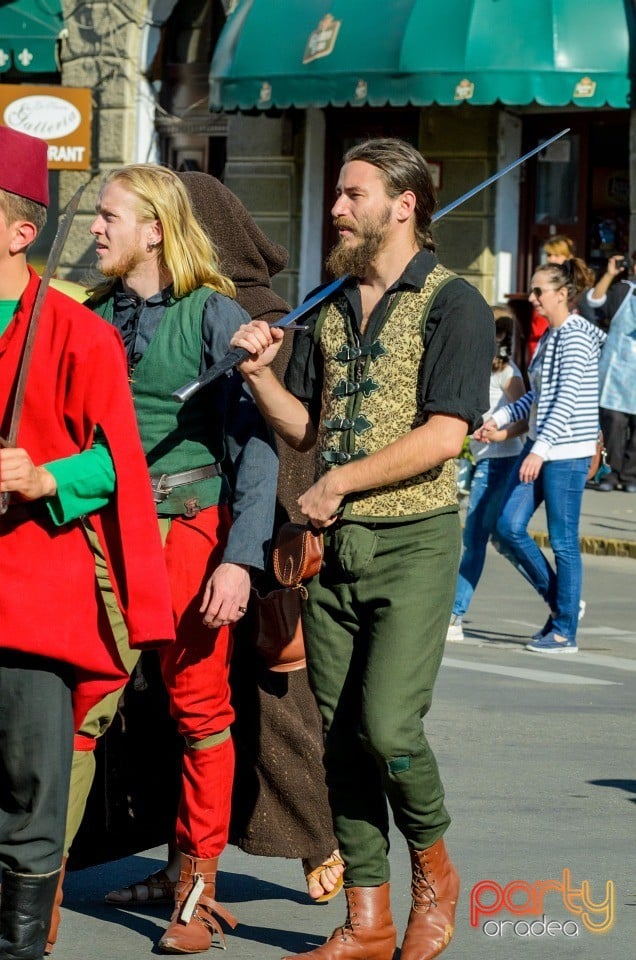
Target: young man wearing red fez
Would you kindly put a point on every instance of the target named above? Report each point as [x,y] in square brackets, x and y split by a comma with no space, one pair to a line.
[76,474]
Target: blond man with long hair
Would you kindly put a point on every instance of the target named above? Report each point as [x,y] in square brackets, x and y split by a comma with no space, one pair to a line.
[162,288]
[184,255]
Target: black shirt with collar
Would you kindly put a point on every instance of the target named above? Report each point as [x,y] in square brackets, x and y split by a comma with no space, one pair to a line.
[459,345]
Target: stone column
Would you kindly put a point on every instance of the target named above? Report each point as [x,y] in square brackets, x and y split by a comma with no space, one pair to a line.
[102,53]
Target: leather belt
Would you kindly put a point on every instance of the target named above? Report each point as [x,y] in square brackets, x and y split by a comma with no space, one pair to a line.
[163,486]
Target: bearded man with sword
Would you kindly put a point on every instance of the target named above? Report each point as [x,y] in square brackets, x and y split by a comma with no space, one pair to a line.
[387,380]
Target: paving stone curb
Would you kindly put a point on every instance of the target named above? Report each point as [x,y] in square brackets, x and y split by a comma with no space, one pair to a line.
[597,546]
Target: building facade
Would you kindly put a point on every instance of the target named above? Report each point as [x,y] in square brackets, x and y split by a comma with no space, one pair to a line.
[291,111]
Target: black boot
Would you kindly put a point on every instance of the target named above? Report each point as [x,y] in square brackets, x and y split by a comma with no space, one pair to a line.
[25,914]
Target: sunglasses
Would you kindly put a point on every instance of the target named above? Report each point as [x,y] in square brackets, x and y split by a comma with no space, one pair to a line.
[538,291]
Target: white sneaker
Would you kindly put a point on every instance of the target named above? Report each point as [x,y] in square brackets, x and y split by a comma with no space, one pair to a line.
[455,634]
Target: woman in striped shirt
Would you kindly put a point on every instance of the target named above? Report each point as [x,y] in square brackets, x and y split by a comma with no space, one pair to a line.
[561,408]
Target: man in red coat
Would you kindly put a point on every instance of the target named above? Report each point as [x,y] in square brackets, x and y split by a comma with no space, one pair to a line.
[77,440]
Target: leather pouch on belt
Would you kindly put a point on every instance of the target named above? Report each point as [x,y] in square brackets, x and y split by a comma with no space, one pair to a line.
[296,557]
[297,554]
[279,631]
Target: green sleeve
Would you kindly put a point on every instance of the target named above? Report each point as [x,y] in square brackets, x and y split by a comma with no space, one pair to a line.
[85,483]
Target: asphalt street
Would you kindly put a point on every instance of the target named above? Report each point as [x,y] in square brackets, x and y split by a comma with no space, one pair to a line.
[538,757]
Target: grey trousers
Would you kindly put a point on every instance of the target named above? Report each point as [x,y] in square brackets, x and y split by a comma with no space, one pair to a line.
[36,746]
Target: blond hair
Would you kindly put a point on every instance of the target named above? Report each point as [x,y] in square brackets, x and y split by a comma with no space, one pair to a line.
[559,246]
[186,252]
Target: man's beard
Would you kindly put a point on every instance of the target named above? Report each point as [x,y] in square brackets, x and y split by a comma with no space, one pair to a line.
[355,260]
[122,267]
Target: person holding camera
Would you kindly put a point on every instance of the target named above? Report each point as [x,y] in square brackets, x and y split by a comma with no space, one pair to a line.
[611,304]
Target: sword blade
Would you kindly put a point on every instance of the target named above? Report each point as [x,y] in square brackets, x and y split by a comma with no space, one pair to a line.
[53,259]
[308,305]
[236,356]
[496,176]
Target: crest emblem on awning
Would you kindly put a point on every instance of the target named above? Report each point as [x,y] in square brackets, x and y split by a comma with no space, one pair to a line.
[323,39]
[586,87]
[464,90]
[362,90]
[265,93]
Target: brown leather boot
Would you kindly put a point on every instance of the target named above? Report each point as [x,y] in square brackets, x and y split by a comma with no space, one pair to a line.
[434,889]
[56,917]
[195,917]
[367,933]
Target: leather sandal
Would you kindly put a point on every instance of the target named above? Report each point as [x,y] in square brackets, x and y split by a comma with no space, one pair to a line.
[313,876]
[158,888]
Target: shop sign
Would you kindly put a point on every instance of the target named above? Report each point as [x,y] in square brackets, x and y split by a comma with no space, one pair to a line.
[323,39]
[59,115]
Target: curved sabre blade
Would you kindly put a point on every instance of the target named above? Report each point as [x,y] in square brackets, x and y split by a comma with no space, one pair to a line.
[25,362]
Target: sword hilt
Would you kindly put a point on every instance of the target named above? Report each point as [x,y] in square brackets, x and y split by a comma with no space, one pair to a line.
[231,359]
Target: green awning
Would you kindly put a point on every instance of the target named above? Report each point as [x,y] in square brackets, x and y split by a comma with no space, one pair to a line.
[29,30]
[552,52]
[335,52]
[306,53]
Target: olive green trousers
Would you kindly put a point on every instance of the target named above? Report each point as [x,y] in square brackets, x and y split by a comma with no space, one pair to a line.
[375,624]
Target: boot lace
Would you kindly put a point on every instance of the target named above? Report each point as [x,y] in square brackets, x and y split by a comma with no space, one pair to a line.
[347,929]
[422,890]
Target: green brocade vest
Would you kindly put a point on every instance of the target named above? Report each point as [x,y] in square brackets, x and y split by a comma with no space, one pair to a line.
[372,396]
[176,436]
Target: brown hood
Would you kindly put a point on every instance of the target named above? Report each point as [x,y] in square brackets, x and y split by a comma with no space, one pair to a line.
[247,255]
[251,259]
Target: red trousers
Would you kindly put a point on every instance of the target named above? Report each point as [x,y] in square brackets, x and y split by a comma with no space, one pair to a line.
[195,671]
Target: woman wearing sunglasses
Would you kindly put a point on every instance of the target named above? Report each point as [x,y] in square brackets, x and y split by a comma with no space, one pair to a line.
[561,408]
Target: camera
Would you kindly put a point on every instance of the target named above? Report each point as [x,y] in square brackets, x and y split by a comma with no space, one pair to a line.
[624,263]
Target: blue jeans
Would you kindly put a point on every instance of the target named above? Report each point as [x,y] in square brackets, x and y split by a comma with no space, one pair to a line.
[489,483]
[560,484]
